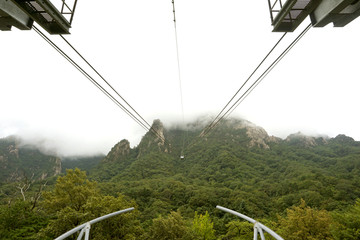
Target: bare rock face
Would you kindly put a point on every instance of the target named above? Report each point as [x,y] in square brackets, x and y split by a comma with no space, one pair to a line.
[257,135]
[301,140]
[155,139]
[13,150]
[122,148]
[159,136]
[57,167]
[119,151]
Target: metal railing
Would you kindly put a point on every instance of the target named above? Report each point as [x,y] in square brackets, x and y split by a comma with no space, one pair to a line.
[85,228]
[258,227]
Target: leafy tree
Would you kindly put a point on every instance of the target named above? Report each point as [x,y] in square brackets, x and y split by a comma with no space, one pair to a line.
[19,221]
[348,223]
[203,227]
[305,223]
[123,226]
[173,227]
[76,200]
[239,230]
[71,191]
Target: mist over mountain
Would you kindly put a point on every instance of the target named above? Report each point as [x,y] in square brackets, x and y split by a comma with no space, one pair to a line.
[181,172]
[21,158]
[18,161]
[74,144]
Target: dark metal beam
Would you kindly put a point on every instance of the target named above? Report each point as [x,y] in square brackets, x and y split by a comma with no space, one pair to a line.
[11,15]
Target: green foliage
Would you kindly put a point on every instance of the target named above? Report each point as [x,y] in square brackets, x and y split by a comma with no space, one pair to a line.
[18,161]
[305,223]
[83,163]
[71,191]
[227,167]
[173,227]
[203,227]
[19,221]
[347,224]
[76,200]
[238,230]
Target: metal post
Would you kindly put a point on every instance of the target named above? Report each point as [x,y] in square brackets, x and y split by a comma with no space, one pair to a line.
[255,233]
[87,231]
[258,227]
[81,234]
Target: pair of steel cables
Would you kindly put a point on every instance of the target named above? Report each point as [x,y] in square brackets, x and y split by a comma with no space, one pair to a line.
[224,113]
[227,109]
[132,113]
[126,107]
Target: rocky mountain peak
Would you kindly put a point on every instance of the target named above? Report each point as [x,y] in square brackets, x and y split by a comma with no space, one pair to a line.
[155,139]
[158,126]
[341,138]
[257,135]
[301,140]
[119,151]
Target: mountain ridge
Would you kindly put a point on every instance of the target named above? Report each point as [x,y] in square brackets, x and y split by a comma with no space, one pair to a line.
[258,137]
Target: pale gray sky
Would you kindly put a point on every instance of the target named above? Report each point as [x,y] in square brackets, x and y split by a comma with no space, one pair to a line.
[314,89]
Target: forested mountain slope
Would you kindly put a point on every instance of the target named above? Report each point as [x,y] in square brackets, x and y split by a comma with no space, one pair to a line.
[302,187]
[19,161]
[237,165]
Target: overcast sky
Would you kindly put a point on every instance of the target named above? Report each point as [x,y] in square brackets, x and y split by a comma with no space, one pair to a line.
[314,89]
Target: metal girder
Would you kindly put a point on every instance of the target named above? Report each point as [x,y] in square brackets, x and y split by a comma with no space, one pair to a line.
[291,13]
[287,15]
[45,14]
[339,12]
[11,15]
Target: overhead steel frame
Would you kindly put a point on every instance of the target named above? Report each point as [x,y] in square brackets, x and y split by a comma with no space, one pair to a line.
[12,15]
[258,227]
[49,17]
[85,228]
[339,12]
[66,10]
[287,15]
[22,13]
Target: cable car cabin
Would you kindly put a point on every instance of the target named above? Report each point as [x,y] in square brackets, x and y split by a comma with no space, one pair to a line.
[286,16]
[182,157]
[22,13]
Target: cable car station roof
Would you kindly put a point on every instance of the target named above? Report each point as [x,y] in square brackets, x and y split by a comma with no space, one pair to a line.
[339,12]
[290,14]
[11,15]
[22,13]
[46,15]
[286,16]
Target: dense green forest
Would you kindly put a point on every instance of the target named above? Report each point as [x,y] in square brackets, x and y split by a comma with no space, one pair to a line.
[301,187]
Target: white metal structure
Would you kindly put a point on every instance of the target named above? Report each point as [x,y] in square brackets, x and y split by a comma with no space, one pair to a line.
[85,228]
[258,227]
